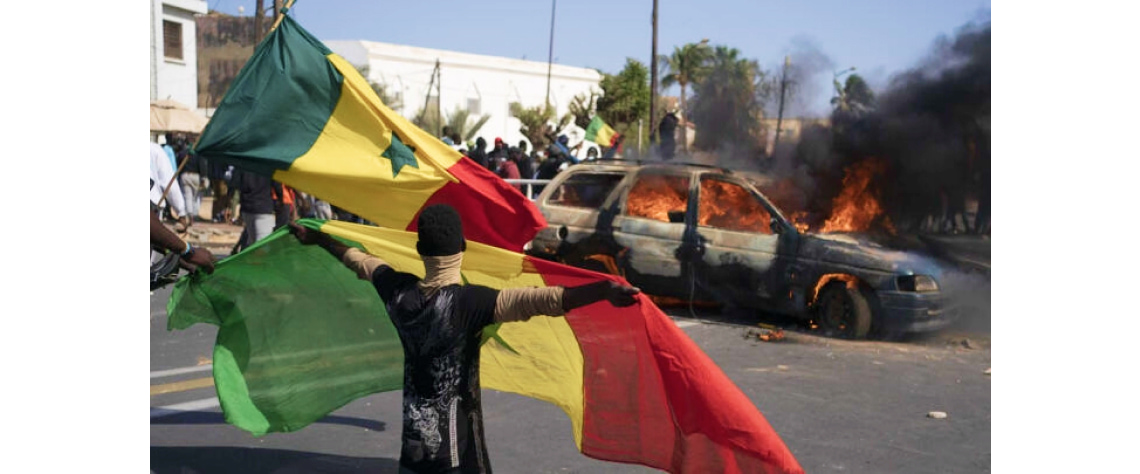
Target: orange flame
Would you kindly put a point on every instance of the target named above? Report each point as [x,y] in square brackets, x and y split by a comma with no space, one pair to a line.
[799,219]
[856,206]
[728,206]
[655,196]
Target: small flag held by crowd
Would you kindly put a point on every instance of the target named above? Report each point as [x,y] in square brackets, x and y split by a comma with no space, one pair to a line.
[599,132]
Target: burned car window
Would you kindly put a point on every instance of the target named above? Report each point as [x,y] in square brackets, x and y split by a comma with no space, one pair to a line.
[585,190]
[728,206]
[655,196]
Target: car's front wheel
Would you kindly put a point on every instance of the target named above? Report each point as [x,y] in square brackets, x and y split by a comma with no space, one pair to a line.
[843,312]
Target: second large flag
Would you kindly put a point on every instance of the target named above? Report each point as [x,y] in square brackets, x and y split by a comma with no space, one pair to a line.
[304,116]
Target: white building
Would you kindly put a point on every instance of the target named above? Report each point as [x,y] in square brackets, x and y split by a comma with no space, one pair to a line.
[174,52]
[484,85]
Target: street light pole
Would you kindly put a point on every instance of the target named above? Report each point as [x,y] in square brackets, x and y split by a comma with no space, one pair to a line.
[550,58]
[653,76]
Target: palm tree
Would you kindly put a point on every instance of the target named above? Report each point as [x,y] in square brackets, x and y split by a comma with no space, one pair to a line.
[393,101]
[458,120]
[727,101]
[688,64]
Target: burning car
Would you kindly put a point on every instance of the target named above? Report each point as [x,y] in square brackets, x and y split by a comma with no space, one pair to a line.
[699,233]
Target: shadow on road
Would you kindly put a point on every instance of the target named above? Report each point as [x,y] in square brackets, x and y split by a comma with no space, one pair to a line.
[224,460]
[210,418]
[975,322]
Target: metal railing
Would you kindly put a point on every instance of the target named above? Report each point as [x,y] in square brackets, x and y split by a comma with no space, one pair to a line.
[528,191]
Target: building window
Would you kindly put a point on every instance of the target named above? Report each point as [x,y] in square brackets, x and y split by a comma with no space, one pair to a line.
[172,39]
[473,107]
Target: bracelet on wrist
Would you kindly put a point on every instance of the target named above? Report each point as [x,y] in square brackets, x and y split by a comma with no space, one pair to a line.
[189,250]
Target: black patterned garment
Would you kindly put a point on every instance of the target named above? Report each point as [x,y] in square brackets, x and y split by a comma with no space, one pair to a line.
[443,419]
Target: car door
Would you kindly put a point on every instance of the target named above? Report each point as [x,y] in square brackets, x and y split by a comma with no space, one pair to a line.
[740,254]
[650,227]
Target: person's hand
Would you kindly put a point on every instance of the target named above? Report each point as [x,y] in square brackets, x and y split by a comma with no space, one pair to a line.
[621,295]
[199,258]
[183,224]
[308,236]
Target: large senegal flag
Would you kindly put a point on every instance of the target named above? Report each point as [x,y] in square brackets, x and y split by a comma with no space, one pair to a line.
[599,132]
[300,336]
[305,117]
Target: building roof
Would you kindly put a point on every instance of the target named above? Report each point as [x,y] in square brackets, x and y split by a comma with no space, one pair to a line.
[192,6]
[359,51]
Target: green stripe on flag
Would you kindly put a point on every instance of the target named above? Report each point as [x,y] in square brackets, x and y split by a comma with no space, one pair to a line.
[277,106]
[299,334]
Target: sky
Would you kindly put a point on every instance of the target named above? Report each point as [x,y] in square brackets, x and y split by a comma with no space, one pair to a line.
[878,38]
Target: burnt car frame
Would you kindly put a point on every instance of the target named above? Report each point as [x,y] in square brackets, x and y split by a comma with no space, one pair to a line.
[699,233]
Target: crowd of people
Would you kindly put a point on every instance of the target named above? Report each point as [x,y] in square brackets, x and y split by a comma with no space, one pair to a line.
[523,162]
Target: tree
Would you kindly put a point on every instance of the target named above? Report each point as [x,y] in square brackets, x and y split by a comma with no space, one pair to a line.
[626,94]
[855,97]
[583,107]
[391,100]
[625,97]
[458,120]
[689,64]
[537,123]
[852,120]
[727,103]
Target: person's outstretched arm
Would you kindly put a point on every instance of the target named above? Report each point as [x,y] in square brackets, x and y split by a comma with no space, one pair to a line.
[521,304]
[356,260]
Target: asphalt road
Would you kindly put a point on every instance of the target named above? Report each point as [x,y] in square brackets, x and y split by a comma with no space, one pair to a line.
[840,406]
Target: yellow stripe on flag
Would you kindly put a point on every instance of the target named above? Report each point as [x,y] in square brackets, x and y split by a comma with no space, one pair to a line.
[346,164]
[549,362]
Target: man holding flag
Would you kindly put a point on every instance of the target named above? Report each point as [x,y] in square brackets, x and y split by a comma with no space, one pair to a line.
[440,322]
[634,387]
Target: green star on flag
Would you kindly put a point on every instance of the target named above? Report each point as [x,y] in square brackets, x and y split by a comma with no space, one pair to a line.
[400,154]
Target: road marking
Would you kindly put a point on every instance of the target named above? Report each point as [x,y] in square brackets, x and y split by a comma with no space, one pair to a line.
[184,370]
[195,405]
[685,324]
[182,386]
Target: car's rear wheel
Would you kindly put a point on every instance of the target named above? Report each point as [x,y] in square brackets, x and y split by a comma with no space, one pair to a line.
[843,312]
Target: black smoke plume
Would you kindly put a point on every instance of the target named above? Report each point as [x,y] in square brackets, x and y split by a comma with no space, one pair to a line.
[932,127]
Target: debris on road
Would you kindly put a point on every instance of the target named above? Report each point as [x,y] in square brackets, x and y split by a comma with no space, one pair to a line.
[766,335]
[937,415]
[963,342]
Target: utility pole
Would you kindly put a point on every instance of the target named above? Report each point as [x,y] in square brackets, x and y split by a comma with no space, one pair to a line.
[427,99]
[780,114]
[550,57]
[653,76]
[438,99]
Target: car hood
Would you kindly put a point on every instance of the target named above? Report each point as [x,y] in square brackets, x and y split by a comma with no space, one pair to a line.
[860,251]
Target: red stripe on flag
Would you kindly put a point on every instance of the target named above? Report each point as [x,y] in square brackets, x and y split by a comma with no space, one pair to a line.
[493,212]
[653,397]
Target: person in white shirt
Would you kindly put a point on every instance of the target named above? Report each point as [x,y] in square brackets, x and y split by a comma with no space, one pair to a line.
[160,177]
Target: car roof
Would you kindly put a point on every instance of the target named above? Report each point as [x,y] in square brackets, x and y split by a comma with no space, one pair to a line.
[671,165]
